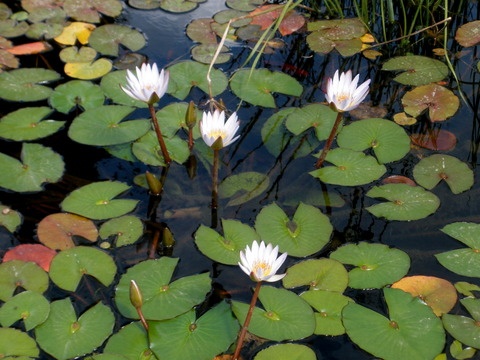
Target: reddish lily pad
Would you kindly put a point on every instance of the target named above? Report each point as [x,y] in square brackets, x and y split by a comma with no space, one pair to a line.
[266,15]
[39,254]
[440,102]
[107,38]
[91,10]
[435,139]
[468,34]
[418,70]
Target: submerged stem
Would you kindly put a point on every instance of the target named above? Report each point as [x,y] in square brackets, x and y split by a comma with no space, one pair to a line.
[328,144]
[163,147]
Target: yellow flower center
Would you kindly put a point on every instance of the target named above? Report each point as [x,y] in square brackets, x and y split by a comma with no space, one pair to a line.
[261,269]
[343,97]
[216,133]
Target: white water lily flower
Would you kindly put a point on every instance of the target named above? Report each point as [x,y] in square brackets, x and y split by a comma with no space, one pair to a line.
[261,262]
[213,127]
[148,85]
[343,91]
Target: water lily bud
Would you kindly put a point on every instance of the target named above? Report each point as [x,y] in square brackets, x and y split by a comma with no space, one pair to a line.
[167,239]
[135,295]
[154,184]
[191,115]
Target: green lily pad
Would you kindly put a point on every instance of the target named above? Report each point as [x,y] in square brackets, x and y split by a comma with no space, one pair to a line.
[126,229]
[28,124]
[256,86]
[225,249]
[317,116]
[440,102]
[131,342]
[91,10]
[464,328]
[418,70]
[172,118]
[69,267]
[38,165]
[10,219]
[16,273]
[319,274]
[274,136]
[431,170]
[404,202]
[243,187]
[76,93]
[162,298]
[243,5]
[15,344]
[352,168]
[186,74]
[200,30]
[77,336]
[103,126]
[23,84]
[11,28]
[107,38]
[94,200]
[376,265]
[307,233]
[458,352]
[29,306]
[455,260]
[72,54]
[111,85]
[412,330]
[147,149]
[286,352]
[388,140]
[328,314]
[204,53]
[285,315]
[190,338]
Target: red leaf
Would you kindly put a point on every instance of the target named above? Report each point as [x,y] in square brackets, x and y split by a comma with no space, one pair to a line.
[30,48]
[442,140]
[399,179]
[39,254]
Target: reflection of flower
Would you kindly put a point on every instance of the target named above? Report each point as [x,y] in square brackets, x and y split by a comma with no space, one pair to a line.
[149,85]
[343,91]
[261,263]
[213,127]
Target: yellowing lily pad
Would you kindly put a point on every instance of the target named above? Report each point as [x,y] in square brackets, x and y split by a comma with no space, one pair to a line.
[418,70]
[88,71]
[468,34]
[75,31]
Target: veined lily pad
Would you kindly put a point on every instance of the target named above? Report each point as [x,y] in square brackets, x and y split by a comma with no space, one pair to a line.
[88,71]
[22,84]
[77,336]
[69,266]
[28,124]
[243,187]
[83,94]
[126,229]
[17,273]
[388,140]
[186,74]
[285,315]
[463,328]
[111,86]
[307,233]
[404,203]
[162,298]
[412,331]
[376,265]
[286,352]
[37,253]
[190,338]
[318,116]
[103,126]
[15,344]
[204,53]
[225,249]
[91,10]
[38,165]
[10,219]
[418,70]
[437,167]
[29,306]
[440,102]
[352,168]
[94,200]
[319,274]
[468,34]
[147,149]
[256,86]
[455,260]
[131,342]
[107,38]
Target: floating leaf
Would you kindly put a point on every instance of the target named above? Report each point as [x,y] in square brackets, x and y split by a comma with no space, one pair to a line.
[38,165]
[111,85]
[22,84]
[405,202]
[10,219]
[205,53]
[77,336]
[83,94]
[243,187]
[36,253]
[403,119]
[243,5]
[179,6]
[468,34]
[458,352]
[466,288]
[273,132]
[257,85]
[90,10]
[418,70]
[200,30]
[28,123]
[56,231]
[285,315]
[307,233]
[126,229]
[88,71]
[72,54]
[376,265]
[75,31]
[172,118]
[437,167]
[130,341]
[398,179]
[463,328]
[317,116]
[147,150]
[15,344]
[29,306]
[27,275]
[30,48]
[94,201]
[286,352]
[352,168]
[107,38]
[438,139]
[412,330]
[440,102]
[388,141]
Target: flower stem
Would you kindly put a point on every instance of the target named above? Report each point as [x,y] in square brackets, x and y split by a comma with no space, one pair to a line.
[165,154]
[328,144]
[214,204]
[243,332]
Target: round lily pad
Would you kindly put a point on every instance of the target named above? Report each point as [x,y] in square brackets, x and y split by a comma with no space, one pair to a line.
[78,336]
[431,170]
[103,126]
[17,273]
[190,338]
[72,54]
[172,119]
[69,266]
[88,71]
[243,187]
[352,168]
[126,229]
[375,265]
[388,140]
[464,328]
[317,116]
[468,34]
[286,352]
[83,94]
[107,38]
[10,219]
[307,233]
[38,165]
[37,253]
[91,10]
[285,315]
[94,200]
[15,344]
[22,84]
[418,70]
[204,53]
[257,85]
[130,341]
[162,297]
[147,149]
[29,306]
[412,331]
[404,202]
[111,85]
[225,249]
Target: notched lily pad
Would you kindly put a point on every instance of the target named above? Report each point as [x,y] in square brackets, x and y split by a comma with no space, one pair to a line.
[107,38]
[317,116]
[464,328]
[88,71]
[243,187]
[23,84]
[17,273]
[91,10]
[417,70]
[440,102]
[29,306]
[125,229]
[9,218]
[76,93]
[468,34]
[15,344]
